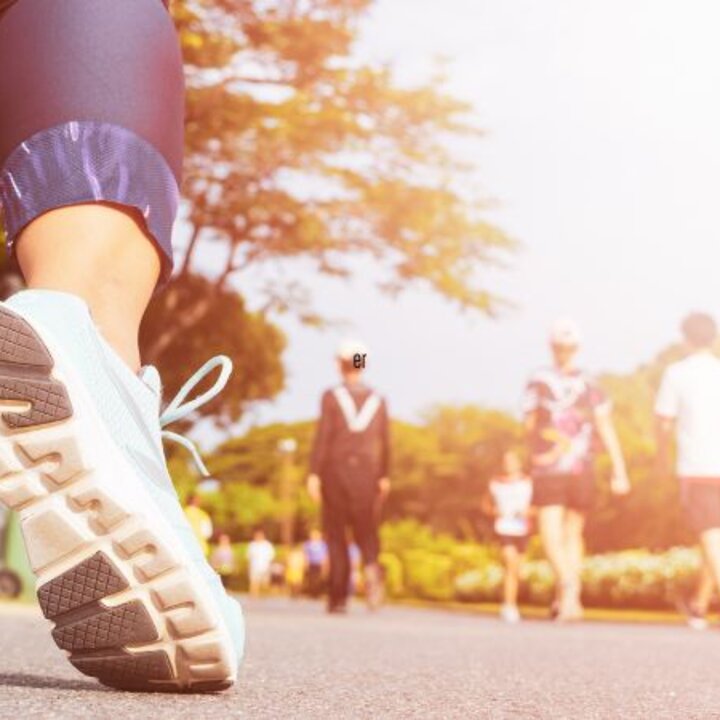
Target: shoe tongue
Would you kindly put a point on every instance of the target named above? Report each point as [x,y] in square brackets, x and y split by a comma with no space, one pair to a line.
[151,377]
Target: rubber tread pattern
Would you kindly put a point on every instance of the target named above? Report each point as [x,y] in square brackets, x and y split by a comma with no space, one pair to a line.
[20,344]
[124,670]
[30,380]
[48,399]
[88,582]
[109,628]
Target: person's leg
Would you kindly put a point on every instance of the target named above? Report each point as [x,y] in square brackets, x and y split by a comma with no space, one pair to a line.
[91,136]
[705,587]
[366,533]
[335,530]
[511,562]
[551,521]
[574,526]
[710,542]
[101,254]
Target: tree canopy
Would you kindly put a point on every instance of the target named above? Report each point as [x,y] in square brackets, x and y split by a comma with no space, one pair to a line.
[298,149]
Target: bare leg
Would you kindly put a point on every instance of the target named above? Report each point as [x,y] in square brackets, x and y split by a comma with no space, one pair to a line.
[551,521]
[705,587]
[710,543]
[255,585]
[102,254]
[511,560]
[574,524]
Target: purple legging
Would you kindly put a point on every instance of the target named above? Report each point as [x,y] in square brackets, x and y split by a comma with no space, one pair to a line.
[91,110]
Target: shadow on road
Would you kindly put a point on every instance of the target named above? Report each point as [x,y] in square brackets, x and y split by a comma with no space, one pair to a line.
[41,682]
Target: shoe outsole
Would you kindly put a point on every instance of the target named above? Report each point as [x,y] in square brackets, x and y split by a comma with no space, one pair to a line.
[124,605]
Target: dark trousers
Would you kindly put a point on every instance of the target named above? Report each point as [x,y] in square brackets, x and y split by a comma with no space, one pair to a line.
[314,580]
[350,502]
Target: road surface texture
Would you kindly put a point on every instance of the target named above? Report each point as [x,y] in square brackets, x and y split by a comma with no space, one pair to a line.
[401,663]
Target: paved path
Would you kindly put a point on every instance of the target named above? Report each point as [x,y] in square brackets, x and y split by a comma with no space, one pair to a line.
[402,663]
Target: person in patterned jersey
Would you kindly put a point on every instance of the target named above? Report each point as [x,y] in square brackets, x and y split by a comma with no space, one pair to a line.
[565,414]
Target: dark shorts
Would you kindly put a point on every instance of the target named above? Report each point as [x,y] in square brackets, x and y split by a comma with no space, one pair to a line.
[701,501]
[576,492]
[519,542]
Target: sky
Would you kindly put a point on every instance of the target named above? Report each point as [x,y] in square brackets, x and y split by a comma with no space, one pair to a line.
[602,154]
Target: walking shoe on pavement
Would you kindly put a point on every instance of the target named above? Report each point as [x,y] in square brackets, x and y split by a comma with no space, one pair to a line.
[694,616]
[510,614]
[120,574]
[374,590]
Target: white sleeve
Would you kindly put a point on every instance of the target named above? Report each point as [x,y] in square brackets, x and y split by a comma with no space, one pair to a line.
[667,402]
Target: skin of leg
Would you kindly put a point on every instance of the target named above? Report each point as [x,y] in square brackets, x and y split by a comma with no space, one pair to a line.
[551,523]
[511,561]
[574,525]
[102,254]
[705,587]
[710,543]
[253,588]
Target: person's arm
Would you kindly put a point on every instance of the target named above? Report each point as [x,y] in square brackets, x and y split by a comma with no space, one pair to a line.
[384,482]
[487,505]
[619,483]
[321,444]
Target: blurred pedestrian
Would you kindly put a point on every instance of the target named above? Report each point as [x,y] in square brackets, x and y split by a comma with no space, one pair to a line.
[200,522]
[260,556]
[508,501]
[688,407]
[356,575]
[349,472]
[295,570]
[316,562]
[223,559]
[564,413]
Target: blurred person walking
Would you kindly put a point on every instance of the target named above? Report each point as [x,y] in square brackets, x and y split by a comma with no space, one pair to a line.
[260,556]
[316,561]
[508,501]
[200,522]
[295,571]
[349,473]
[564,412]
[222,559]
[688,407]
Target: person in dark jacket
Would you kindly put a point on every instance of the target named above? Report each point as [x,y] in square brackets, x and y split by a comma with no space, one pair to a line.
[349,469]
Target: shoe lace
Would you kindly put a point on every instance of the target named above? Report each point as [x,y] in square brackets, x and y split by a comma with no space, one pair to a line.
[179,407]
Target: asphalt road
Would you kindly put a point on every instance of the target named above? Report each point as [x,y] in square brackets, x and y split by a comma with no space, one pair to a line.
[402,663]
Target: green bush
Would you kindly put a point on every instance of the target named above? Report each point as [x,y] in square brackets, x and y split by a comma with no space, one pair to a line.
[428,575]
[629,579]
[421,564]
[393,569]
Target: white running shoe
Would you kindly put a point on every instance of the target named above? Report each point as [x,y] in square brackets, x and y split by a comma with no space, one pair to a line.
[120,573]
[510,614]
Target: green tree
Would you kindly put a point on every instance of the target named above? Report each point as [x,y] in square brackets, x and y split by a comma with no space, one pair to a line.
[296,149]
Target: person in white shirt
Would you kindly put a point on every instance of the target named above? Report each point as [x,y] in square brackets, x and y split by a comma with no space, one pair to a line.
[688,407]
[260,554]
[508,501]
